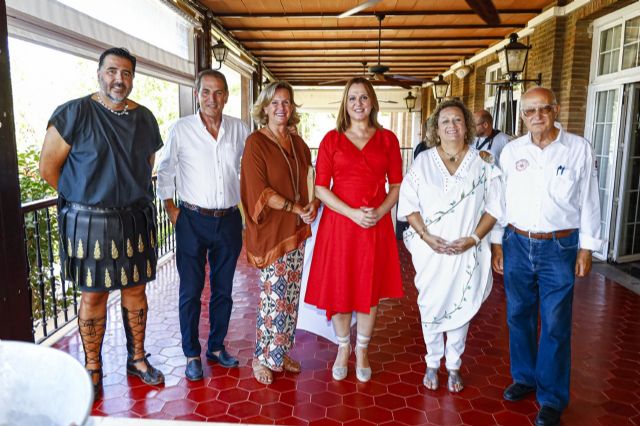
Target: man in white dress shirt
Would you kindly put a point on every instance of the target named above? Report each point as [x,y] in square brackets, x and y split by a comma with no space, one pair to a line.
[201,160]
[552,226]
[487,138]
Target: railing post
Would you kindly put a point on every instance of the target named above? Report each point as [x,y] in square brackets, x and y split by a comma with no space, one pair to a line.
[15,297]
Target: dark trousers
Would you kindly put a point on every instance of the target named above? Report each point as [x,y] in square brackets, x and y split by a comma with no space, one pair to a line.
[198,238]
[539,277]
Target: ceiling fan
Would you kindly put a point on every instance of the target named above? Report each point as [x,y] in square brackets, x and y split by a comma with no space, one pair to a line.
[484,8]
[378,71]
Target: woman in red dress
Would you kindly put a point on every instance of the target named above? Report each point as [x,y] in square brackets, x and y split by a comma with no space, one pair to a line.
[355,261]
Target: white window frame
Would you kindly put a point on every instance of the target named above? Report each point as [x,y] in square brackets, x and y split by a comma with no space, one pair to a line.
[618,17]
[610,81]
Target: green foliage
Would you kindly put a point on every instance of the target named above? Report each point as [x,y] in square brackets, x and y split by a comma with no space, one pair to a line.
[42,241]
[32,186]
[160,96]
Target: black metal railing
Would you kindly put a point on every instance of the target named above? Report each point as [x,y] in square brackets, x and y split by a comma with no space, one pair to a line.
[54,302]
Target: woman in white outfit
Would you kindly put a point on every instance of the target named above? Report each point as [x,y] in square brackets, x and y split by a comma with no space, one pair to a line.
[451,197]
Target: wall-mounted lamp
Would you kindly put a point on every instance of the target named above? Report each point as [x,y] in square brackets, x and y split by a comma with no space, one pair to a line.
[513,59]
[410,100]
[220,53]
[463,71]
[440,88]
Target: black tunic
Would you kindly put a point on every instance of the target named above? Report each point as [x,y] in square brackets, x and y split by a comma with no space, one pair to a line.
[108,165]
[106,216]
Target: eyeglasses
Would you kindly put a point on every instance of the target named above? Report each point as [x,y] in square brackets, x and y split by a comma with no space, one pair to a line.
[542,109]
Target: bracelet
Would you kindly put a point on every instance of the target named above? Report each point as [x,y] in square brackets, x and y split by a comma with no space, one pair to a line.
[475,238]
[287,205]
[421,233]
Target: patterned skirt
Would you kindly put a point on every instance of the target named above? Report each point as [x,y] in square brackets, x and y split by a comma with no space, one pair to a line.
[278,308]
[105,249]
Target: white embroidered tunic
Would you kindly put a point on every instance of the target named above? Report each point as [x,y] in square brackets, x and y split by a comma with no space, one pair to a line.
[451,288]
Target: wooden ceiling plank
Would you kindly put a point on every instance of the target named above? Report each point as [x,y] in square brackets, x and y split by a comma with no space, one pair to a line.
[369,14]
[387,28]
[364,40]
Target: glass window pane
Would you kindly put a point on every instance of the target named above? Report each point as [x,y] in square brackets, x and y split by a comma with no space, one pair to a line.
[609,53]
[615,59]
[606,138]
[611,96]
[630,56]
[605,37]
[598,145]
[602,179]
[601,64]
[616,39]
[601,110]
[631,32]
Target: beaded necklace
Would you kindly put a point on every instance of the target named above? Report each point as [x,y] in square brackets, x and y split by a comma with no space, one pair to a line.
[118,113]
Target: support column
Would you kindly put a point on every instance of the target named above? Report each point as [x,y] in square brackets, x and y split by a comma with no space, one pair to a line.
[15,296]
[203,45]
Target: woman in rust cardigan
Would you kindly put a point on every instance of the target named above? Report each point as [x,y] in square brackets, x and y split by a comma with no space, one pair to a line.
[273,186]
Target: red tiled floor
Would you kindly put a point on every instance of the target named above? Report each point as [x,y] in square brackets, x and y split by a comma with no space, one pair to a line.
[605,378]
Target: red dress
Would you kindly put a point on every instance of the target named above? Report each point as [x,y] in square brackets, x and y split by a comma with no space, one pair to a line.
[352,267]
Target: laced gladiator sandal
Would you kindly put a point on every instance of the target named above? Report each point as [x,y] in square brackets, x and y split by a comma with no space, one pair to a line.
[92,335]
[362,373]
[430,380]
[291,365]
[339,372]
[135,324]
[261,373]
[455,381]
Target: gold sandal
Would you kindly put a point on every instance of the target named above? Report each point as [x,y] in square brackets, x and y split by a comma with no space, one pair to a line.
[291,365]
[261,373]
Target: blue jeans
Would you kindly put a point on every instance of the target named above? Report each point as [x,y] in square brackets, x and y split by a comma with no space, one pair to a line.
[539,274]
[198,239]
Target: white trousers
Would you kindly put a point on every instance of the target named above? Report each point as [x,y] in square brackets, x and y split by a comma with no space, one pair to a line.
[456,340]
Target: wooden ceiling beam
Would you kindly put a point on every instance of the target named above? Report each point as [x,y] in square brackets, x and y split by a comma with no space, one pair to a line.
[337,57]
[355,64]
[359,67]
[387,28]
[369,48]
[390,13]
[322,83]
[360,40]
[336,73]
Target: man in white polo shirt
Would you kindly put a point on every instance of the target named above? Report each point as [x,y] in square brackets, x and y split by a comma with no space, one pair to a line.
[552,225]
[201,161]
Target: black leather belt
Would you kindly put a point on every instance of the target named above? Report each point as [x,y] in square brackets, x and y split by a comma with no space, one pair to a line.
[96,209]
[543,235]
[208,212]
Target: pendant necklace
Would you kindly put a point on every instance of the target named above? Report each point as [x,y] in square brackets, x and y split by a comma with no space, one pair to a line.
[452,157]
[295,183]
[118,113]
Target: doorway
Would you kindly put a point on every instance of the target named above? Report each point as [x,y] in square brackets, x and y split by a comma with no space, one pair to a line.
[626,247]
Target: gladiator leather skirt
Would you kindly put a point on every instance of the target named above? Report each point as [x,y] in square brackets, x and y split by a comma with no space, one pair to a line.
[104,249]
